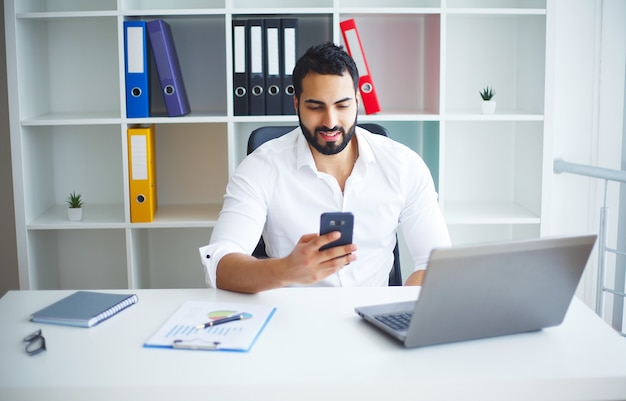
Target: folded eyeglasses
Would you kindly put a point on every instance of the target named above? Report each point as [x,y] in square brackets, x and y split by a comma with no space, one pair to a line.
[35,343]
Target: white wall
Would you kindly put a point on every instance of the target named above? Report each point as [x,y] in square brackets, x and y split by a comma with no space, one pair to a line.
[588,115]
[611,139]
[8,250]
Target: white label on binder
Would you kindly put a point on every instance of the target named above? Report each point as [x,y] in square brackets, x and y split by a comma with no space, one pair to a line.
[240,49]
[139,157]
[256,50]
[290,50]
[135,51]
[355,50]
[273,67]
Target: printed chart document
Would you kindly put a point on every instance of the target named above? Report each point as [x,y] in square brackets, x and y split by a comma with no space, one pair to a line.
[196,325]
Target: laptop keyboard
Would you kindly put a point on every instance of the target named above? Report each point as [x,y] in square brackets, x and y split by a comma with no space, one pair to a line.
[397,321]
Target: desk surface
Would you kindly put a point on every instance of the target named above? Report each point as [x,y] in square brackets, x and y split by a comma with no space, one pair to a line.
[315,347]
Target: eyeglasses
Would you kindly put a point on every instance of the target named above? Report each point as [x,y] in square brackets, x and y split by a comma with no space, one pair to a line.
[35,343]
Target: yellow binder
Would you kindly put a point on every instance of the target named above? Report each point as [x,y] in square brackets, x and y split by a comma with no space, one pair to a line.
[142,174]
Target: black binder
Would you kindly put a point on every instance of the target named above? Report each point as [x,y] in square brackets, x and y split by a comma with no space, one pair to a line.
[273,99]
[256,67]
[240,68]
[289,55]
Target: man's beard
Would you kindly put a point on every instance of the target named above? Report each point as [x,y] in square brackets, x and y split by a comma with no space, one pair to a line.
[328,148]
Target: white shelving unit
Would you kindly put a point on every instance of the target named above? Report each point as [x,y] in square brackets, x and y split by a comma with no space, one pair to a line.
[428,58]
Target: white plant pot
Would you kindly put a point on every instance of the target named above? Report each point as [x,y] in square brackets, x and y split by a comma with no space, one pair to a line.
[75,214]
[488,106]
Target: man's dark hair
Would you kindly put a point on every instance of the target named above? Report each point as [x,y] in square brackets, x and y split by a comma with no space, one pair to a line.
[326,59]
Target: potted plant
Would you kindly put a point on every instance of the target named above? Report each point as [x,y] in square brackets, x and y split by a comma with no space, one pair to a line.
[75,207]
[488,105]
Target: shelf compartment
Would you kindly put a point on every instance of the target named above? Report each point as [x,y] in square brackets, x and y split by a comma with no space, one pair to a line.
[168,257]
[94,216]
[474,234]
[55,6]
[77,259]
[406,81]
[313,29]
[201,49]
[242,132]
[52,82]
[200,215]
[506,52]
[192,170]
[390,4]
[280,4]
[421,136]
[497,4]
[494,168]
[487,212]
[58,160]
[167,5]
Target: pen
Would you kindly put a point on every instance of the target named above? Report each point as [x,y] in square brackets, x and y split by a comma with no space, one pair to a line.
[231,318]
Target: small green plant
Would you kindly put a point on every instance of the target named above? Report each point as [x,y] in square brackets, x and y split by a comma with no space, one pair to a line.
[75,200]
[487,93]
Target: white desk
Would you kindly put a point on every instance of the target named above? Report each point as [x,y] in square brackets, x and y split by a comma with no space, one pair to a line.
[315,347]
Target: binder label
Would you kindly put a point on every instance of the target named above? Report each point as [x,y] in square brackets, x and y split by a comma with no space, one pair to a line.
[273,67]
[135,49]
[256,50]
[355,49]
[139,157]
[290,50]
[240,49]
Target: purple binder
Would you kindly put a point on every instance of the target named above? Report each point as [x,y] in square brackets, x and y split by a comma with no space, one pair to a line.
[168,68]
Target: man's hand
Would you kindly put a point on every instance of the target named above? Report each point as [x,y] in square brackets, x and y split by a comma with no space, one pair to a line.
[308,265]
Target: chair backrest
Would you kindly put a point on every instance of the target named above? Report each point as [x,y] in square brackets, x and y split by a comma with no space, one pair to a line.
[263,134]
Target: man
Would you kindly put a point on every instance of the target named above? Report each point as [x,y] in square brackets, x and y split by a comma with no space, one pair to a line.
[327,164]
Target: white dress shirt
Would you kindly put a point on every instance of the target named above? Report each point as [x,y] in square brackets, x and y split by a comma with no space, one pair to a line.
[277,191]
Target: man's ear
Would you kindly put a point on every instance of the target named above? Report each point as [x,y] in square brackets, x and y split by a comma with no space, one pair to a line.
[295,104]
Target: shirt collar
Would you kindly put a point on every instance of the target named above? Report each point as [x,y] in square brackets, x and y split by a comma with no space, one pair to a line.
[305,158]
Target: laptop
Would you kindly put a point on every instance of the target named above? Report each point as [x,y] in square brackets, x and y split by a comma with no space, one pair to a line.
[488,290]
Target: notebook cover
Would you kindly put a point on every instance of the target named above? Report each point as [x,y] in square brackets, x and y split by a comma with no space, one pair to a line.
[84,308]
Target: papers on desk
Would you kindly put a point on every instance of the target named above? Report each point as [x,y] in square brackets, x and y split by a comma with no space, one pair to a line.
[180,331]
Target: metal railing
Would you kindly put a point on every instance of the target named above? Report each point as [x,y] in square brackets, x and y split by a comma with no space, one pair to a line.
[607,175]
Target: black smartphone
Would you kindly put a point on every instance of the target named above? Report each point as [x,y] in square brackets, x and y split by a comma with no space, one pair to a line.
[337,221]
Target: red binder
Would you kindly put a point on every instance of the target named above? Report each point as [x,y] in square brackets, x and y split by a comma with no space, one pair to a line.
[366,86]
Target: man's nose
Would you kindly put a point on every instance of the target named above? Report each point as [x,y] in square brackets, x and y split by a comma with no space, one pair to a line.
[330,119]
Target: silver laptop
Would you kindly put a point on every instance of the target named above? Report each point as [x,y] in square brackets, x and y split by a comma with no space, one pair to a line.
[488,290]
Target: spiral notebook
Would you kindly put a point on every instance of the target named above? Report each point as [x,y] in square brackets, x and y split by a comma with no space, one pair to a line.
[84,308]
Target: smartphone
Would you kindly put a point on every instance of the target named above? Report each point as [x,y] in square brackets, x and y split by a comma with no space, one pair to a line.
[337,221]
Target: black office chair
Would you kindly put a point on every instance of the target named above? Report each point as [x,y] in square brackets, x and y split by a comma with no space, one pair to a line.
[263,134]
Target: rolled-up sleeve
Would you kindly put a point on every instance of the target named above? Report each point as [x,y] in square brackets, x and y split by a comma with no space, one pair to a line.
[240,223]
[211,255]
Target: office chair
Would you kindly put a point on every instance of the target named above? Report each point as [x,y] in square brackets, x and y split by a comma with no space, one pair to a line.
[263,134]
